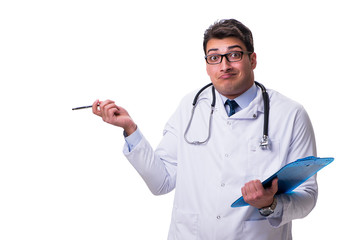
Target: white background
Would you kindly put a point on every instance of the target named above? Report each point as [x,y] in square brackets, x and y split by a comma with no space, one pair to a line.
[62,172]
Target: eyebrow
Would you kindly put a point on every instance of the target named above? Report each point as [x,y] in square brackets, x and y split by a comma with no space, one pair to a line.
[229,48]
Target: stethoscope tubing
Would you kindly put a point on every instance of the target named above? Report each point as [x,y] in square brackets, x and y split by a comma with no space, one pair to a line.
[264,143]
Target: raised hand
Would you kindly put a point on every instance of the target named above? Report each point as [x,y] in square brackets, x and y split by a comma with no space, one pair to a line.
[115,115]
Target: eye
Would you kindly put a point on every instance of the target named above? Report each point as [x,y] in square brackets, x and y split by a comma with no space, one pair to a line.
[213,58]
[235,55]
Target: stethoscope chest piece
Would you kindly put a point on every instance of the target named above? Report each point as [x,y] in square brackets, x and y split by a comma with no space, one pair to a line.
[265,143]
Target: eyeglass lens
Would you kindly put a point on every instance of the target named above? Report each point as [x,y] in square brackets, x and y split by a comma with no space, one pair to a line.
[231,57]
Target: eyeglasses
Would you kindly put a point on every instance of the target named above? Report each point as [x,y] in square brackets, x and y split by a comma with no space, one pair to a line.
[230,56]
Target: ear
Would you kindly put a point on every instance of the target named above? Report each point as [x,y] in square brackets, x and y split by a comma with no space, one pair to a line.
[253,60]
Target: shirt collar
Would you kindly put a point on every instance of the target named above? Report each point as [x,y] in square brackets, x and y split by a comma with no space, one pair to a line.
[244,99]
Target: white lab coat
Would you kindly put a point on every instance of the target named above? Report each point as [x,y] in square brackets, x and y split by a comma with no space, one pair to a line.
[209,177]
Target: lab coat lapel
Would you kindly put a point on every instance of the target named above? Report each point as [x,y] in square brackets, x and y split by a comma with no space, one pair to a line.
[250,112]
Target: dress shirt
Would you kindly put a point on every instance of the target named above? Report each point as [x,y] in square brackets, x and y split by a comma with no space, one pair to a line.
[243,100]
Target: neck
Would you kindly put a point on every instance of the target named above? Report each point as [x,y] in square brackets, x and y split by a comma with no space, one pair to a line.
[239,92]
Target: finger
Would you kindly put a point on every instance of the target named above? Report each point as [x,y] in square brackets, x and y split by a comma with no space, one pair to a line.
[243,192]
[255,186]
[108,111]
[250,188]
[95,109]
[117,112]
[112,113]
[120,111]
[258,185]
[104,103]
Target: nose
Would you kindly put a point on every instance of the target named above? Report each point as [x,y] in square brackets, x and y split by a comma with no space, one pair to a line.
[225,65]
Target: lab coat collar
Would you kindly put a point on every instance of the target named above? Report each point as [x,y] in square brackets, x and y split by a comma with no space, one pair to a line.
[250,112]
[244,99]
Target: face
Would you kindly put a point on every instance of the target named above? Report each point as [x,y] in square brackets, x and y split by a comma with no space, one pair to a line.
[231,79]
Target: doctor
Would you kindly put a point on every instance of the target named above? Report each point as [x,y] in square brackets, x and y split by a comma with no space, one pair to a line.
[210,176]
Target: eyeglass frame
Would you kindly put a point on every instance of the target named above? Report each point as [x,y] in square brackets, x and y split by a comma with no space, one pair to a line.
[226,56]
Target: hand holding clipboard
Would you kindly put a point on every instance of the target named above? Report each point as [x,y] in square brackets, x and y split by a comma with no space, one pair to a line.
[292,175]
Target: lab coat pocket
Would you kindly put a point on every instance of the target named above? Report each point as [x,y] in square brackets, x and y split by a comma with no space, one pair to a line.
[263,162]
[186,225]
[262,230]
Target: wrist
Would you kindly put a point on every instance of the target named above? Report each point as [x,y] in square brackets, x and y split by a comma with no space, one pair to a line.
[130,129]
[267,211]
[269,204]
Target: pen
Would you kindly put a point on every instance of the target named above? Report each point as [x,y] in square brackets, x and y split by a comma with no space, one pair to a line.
[83,107]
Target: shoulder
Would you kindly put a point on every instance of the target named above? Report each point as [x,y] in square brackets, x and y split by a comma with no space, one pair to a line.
[278,100]
[287,109]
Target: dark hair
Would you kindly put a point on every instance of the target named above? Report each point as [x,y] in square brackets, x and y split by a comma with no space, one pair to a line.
[229,28]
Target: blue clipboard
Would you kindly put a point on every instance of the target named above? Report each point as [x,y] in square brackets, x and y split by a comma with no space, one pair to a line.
[292,175]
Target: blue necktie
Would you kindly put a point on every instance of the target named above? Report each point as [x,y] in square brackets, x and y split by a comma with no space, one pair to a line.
[233,105]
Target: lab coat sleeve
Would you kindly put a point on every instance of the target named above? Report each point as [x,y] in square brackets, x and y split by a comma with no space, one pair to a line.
[302,200]
[157,168]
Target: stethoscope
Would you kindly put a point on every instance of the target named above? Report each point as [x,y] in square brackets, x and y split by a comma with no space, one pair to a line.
[264,142]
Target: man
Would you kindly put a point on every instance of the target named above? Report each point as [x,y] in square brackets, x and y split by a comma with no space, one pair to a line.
[210,176]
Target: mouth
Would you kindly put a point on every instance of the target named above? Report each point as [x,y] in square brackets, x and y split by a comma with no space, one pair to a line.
[227,75]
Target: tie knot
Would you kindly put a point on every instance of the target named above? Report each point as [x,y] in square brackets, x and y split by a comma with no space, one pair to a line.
[233,105]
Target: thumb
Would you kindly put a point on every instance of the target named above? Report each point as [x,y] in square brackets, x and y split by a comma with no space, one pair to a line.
[274,186]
